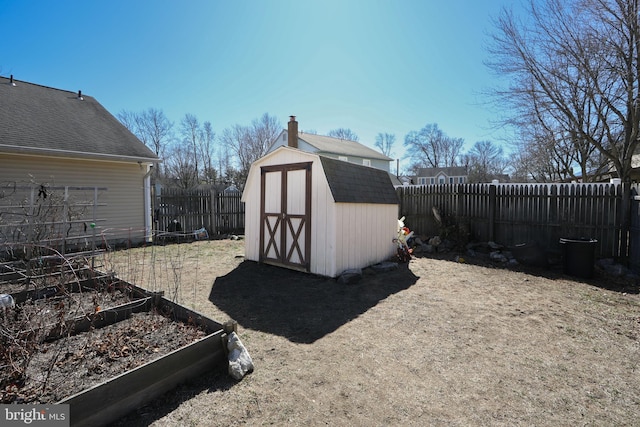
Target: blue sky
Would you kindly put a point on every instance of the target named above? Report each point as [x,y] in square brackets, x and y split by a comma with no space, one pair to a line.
[368,65]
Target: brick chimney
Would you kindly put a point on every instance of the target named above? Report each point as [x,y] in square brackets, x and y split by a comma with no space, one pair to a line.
[293,132]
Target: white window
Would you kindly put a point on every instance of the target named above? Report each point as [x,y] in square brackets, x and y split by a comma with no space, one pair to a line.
[366,162]
[433,181]
[422,180]
[450,180]
[441,180]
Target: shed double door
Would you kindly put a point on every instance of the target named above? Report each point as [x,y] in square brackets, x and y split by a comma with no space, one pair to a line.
[285,213]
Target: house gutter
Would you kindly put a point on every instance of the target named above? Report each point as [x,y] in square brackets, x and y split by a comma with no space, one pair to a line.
[36,151]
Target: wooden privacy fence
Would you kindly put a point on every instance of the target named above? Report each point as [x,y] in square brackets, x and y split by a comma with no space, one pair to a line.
[512,214]
[179,210]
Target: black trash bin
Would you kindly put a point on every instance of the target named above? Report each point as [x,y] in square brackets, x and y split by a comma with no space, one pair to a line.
[578,256]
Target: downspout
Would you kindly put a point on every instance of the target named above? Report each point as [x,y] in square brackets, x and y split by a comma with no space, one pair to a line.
[146,182]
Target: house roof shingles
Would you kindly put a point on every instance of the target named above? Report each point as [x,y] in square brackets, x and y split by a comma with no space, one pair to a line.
[351,183]
[37,119]
[448,171]
[328,144]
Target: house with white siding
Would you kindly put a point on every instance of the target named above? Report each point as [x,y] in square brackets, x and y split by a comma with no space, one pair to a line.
[341,149]
[448,175]
[63,142]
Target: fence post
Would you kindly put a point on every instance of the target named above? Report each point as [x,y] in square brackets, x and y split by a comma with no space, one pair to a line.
[492,211]
[634,229]
[212,211]
[458,214]
[624,219]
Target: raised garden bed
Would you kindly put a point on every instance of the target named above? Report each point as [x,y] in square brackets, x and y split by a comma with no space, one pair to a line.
[102,345]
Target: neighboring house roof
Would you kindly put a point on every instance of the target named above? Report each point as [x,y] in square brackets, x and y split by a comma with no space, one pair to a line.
[351,183]
[449,171]
[328,144]
[395,180]
[331,145]
[503,177]
[41,120]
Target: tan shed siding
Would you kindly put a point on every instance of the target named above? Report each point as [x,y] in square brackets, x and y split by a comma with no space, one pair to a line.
[124,197]
[251,197]
[322,224]
[368,228]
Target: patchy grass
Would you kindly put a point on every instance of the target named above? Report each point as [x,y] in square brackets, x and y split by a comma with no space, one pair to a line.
[437,343]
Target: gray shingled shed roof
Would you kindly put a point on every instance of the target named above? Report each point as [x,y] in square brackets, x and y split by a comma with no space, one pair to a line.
[37,119]
[351,183]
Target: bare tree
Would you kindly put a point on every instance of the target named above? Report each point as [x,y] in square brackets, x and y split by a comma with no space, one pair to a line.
[128,119]
[343,133]
[263,132]
[385,142]
[485,161]
[180,166]
[539,162]
[430,147]
[575,66]
[578,63]
[237,139]
[550,155]
[191,134]
[151,127]
[249,143]
[225,164]
[207,153]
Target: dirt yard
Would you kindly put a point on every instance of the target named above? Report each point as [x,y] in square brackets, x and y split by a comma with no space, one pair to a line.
[433,343]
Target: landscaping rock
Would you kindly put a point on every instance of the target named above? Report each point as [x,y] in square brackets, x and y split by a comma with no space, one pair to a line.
[240,362]
[428,249]
[494,245]
[497,256]
[530,254]
[349,277]
[383,267]
[6,301]
[446,246]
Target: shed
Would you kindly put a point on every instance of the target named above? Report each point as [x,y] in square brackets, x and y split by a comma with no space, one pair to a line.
[316,214]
